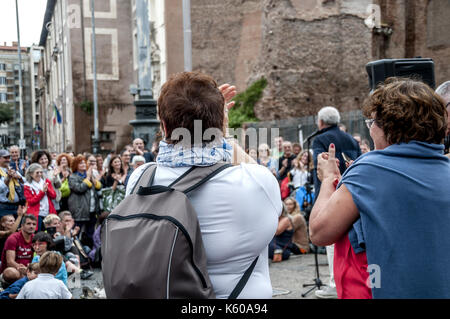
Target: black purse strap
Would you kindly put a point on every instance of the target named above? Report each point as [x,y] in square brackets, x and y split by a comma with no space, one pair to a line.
[241,284]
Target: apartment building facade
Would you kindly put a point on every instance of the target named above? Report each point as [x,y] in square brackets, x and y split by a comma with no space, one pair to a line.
[10,95]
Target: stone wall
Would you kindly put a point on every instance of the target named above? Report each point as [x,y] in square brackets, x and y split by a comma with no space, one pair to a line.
[312,52]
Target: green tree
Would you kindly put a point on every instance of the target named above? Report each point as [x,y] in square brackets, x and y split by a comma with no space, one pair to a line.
[6,113]
[243,111]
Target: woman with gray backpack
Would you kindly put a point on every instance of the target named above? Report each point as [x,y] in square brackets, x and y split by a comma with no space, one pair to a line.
[197,223]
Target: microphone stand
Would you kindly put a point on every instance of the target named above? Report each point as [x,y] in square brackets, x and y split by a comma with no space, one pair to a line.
[317,282]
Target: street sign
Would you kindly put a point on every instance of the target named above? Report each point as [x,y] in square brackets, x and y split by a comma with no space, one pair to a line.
[22,145]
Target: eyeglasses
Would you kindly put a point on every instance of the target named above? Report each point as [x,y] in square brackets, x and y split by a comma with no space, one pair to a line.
[6,157]
[369,123]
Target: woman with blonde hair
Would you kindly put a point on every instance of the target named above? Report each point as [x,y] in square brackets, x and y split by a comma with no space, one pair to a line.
[300,239]
[265,159]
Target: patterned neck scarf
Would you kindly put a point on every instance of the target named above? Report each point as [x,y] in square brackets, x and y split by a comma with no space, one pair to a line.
[174,155]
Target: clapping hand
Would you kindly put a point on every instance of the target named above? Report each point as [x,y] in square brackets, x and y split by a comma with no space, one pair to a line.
[45,188]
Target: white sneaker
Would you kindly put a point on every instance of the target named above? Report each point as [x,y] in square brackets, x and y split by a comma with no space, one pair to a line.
[326,293]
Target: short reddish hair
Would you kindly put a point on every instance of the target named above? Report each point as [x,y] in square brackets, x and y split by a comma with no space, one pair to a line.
[187,97]
[76,161]
[60,157]
[406,110]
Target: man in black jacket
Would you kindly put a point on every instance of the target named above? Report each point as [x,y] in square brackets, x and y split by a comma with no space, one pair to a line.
[329,132]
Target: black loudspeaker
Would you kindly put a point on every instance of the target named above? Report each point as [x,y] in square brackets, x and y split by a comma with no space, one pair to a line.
[422,69]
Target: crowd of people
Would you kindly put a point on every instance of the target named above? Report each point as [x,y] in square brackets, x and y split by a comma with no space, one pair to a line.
[56,203]
[335,195]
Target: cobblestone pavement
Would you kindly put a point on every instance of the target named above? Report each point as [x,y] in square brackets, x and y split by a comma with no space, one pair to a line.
[287,278]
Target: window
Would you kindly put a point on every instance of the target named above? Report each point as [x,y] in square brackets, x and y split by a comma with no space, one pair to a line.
[2,67]
[2,80]
[3,98]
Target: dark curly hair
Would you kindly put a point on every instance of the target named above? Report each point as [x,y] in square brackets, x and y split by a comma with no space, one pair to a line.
[36,156]
[407,110]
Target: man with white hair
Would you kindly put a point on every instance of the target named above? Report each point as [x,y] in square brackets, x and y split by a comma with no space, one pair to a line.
[329,133]
[444,91]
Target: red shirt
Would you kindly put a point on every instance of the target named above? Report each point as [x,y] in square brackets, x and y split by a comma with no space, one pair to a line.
[350,271]
[23,249]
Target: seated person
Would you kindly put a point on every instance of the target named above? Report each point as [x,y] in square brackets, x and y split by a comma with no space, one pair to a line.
[12,291]
[9,276]
[279,247]
[18,250]
[42,242]
[45,286]
[300,239]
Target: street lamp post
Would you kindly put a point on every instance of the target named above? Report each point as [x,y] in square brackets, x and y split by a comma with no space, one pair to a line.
[187,38]
[20,80]
[95,142]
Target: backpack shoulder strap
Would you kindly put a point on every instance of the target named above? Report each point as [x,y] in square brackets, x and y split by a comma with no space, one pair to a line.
[197,176]
[146,178]
[241,284]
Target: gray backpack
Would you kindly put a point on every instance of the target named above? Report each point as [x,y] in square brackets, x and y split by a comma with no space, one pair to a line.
[152,245]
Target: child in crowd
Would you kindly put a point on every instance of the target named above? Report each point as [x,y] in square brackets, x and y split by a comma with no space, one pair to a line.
[12,291]
[41,243]
[46,286]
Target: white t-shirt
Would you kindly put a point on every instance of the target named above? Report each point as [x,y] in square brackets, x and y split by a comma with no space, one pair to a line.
[238,212]
[299,177]
[45,286]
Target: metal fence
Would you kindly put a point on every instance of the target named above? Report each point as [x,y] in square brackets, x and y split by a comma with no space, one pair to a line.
[297,130]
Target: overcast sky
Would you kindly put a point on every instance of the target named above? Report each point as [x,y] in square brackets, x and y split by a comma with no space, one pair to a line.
[31,18]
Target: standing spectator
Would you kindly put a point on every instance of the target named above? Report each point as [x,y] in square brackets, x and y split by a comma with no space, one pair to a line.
[358,138]
[13,290]
[277,151]
[39,193]
[113,184]
[299,171]
[253,153]
[329,133]
[46,286]
[101,170]
[296,149]
[53,157]
[9,225]
[139,149]
[365,146]
[125,156]
[43,158]
[63,162]
[18,250]
[18,164]
[42,242]
[266,160]
[285,161]
[342,127]
[11,187]
[84,203]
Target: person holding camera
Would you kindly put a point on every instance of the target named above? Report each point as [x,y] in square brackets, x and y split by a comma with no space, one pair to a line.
[39,194]
[11,186]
